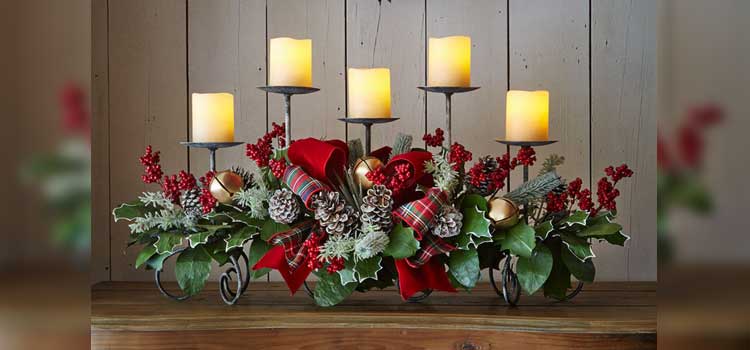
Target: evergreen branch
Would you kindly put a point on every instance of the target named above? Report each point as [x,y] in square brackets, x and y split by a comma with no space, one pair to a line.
[535,189]
[356,151]
[551,163]
[402,145]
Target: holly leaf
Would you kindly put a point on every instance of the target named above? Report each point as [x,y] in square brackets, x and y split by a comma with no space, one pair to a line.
[534,271]
[464,267]
[558,282]
[347,275]
[582,270]
[402,243]
[243,218]
[258,248]
[199,238]
[167,241]
[145,254]
[192,269]
[156,262]
[218,251]
[329,291]
[578,217]
[618,238]
[600,230]
[129,211]
[520,240]
[239,238]
[580,247]
[543,230]
[474,201]
[466,241]
[475,223]
[271,228]
[367,268]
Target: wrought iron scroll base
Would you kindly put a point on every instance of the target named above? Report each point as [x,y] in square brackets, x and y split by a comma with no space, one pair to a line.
[228,294]
[510,289]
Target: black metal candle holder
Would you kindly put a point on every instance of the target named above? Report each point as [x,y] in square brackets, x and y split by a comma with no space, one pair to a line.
[212,147]
[368,122]
[448,91]
[510,289]
[288,91]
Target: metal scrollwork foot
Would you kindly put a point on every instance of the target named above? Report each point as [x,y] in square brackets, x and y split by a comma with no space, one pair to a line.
[157,279]
[510,289]
[229,295]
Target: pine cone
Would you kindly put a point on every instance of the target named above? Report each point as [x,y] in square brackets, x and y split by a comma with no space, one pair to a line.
[489,165]
[376,208]
[190,202]
[448,223]
[247,177]
[333,214]
[284,207]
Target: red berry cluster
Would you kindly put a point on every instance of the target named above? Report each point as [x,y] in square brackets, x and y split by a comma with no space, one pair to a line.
[478,176]
[75,114]
[171,188]
[395,180]
[261,151]
[606,193]
[206,199]
[526,156]
[556,202]
[335,265]
[458,155]
[434,140]
[690,142]
[583,197]
[187,181]
[377,176]
[618,173]
[312,247]
[152,172]
[278,167]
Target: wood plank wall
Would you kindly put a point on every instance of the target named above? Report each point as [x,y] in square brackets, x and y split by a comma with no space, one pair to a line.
[597,58]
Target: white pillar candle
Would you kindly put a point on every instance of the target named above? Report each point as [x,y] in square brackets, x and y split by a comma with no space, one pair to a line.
[369,92]
[449,61]
[527,116]
[213,117]
[290,62]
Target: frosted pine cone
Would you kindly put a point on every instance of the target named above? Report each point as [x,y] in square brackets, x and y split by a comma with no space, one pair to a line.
[448,223]
[483,185]
[376,208]
[247,177]
[284,207]
[333,214]
[190,202]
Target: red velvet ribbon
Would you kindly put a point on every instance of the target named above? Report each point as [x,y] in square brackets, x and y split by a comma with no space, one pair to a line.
[274,259]
[323,160]
[431,275]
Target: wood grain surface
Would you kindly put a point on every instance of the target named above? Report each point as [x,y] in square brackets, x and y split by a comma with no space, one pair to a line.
[605,315]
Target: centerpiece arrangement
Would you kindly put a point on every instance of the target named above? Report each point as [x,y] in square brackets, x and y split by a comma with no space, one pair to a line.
[420,219]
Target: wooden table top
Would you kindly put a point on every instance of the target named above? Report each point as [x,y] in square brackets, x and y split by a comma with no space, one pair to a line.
[612,308]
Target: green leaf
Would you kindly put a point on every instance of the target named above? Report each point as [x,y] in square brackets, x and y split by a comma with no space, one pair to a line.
[600,230]
[347,275]
[271,228]
[241,217]
[534,271]
[167,241]
[258,248]
[367,268]
[542,230]
[475,223]
[474,201]
[239,238]
[580,247]
[617,239]
[329,291]
[402,243]
[464,267]
[218,251]
[199,238]
[192,269]
[582,270]
[129,211]
[577,217]
[467,241]
[145,254]
[558,282]
[520,240]
[156,262]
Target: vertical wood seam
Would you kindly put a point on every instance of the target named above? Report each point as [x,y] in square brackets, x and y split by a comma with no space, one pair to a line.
[426,55]
[591,107]
[346,73]
[187,79]
[268,275]
[109,159]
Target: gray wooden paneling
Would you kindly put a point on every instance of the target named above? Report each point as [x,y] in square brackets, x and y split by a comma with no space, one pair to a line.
[147,104]
[623,122]
[101,217]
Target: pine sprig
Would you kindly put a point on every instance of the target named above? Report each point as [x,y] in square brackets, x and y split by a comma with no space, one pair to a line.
[551,163]
[402,145]
[535,189]
[445,177]
[356,151]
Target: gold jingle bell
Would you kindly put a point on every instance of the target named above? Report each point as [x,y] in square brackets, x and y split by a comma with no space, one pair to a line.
[224,185]
[363,166]
[503,212]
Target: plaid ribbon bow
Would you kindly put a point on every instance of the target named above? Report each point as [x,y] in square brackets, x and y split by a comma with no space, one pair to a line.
[420,214]
[293,241]
[302,184]
[430,246]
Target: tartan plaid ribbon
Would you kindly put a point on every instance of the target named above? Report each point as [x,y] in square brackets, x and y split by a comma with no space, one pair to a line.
[420,214]
[302,184]
[430,246]
[293,242]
